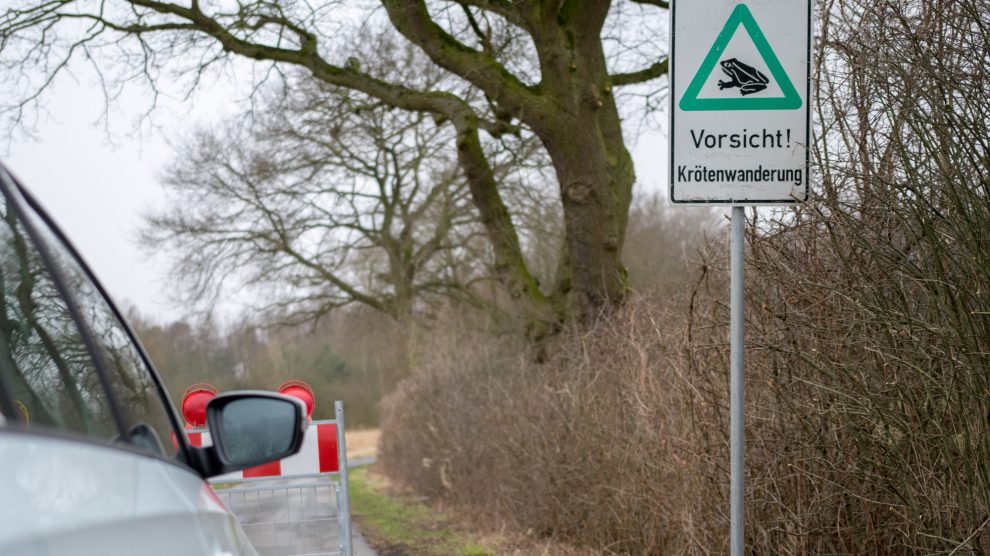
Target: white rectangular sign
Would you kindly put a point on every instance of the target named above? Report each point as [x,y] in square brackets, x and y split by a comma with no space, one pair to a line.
[740,91]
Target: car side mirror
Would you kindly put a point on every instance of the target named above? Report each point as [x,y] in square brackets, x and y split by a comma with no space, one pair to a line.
[250,428]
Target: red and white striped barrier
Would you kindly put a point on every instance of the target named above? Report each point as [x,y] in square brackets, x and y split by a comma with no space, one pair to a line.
[319,454]
[323,452]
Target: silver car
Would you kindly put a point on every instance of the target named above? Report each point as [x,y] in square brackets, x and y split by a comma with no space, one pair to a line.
[93,458]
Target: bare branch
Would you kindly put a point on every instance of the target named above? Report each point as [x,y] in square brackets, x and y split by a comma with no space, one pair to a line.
[378,220]
[664,4]
[485,37]
[655,71]
[511,12]
[411,18]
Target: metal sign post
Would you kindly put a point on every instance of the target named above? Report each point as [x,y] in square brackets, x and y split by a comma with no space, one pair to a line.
[740,127]
[737,441]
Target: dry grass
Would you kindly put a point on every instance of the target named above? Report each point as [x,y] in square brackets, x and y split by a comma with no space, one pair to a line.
[400,522]
[362,443]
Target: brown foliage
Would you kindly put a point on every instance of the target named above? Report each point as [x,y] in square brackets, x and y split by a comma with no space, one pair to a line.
[594,446]
[868,346]
[590,446]
[857,443]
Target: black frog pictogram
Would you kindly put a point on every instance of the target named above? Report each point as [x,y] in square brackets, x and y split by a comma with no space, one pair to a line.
[749,79]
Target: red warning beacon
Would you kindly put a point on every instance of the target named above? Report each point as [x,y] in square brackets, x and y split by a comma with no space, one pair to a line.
[301,390]
[194,401]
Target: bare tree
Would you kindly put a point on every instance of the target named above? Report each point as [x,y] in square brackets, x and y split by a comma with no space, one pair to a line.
[550,67]
[321,199]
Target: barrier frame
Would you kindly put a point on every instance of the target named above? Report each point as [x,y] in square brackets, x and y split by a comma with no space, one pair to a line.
[346,547]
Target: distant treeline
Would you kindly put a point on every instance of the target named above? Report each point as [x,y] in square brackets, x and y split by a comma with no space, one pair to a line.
[347,357]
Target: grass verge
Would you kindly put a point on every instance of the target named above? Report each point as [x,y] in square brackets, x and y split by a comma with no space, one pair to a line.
[398,523]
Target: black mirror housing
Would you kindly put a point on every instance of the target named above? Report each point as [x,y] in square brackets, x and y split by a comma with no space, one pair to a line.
[250,428]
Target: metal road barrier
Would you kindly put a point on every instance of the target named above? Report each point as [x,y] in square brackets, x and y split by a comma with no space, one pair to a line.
[289,507]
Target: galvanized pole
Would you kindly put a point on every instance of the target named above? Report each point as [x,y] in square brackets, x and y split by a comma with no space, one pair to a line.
[344,509]
[737,450]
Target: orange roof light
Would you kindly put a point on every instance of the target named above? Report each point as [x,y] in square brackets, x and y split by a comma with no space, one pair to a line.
[194,401]
[301,390]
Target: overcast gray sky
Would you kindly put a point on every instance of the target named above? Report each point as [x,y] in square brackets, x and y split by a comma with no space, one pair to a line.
[97,190]
[96,180]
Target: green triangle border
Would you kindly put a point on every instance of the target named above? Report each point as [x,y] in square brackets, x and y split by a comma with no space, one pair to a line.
[741,16]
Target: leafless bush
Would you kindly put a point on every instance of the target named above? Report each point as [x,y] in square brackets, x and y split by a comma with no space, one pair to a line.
[868,357]
[873,319]
[591,446]
[662,241]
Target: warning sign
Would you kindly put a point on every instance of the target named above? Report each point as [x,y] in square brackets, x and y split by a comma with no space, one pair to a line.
[739,106]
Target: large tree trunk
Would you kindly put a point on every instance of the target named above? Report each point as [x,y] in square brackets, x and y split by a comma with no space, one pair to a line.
[573,112]
[595,189]
[583,136]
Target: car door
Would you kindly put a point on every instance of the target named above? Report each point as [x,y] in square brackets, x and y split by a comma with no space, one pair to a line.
[92,460]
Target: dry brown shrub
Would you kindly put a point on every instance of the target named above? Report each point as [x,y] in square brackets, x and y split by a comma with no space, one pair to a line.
[857,442]
[868,346]
[594,446]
